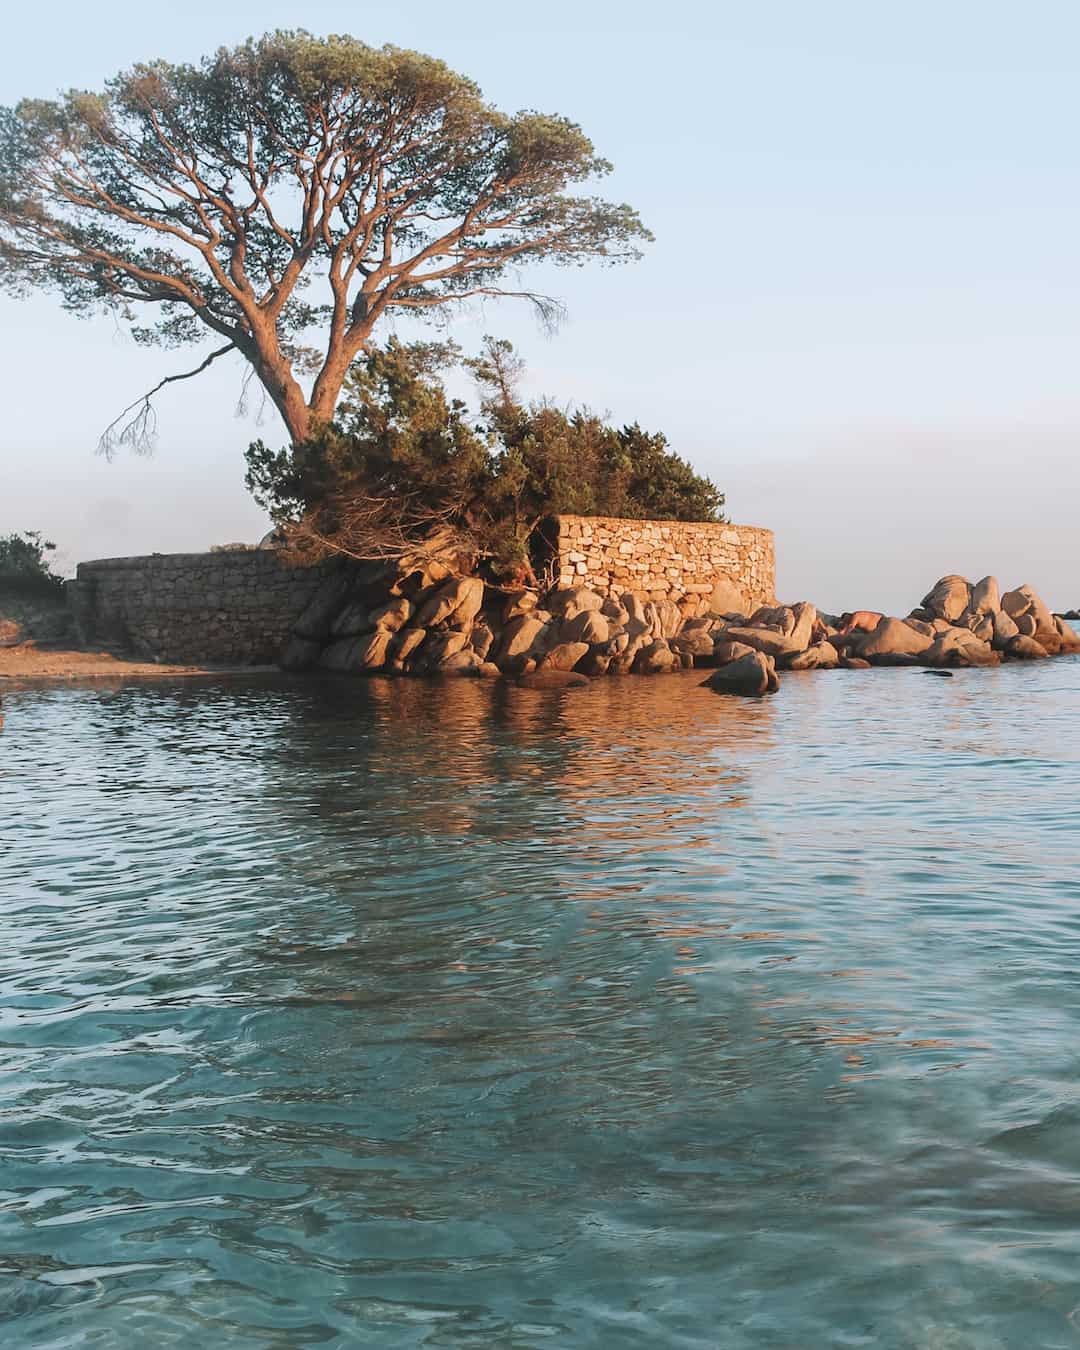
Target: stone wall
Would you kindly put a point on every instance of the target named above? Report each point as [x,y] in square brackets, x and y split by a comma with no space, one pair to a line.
[232,607]
[237,607]
[665,560]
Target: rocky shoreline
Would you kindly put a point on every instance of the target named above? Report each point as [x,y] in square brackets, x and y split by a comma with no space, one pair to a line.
[421,619]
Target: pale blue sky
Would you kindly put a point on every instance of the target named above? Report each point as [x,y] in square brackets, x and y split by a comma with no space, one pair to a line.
[860,315]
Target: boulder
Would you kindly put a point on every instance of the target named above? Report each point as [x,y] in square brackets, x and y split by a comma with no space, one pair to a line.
[853,663]
[406,642]
[597,660]
[820,656]
[859,620]
[728,598]
[652,619]
[552,679]
[724,652]
[564,656]
[353,619]
[654,658]
[1044,619]
[299,653]
[1018,602]
[950,597]
[1026,624]
[489,671]
[439,647]
[806,617]
[751,676]
[324,606]
[464,662]
[567,604]
[982,626]
[372,649]
[1049,642]
[366,652]
[588,626]
[634,605]
[921,626]
[695,642]
[669,618]
[848,643]
[779,617]
[1070,642]
[519,637]
[1022,648]
[764,640]
[959,647]
[614,612]
[392,616]
[623,662]
[518,603]
[986,596]
[460,598]
[481,639]
[1005,630]
[894,637]
[417,575]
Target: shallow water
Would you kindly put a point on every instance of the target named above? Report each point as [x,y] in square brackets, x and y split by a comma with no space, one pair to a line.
[396,1014]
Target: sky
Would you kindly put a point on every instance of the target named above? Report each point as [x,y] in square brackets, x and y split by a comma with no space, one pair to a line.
[860,315]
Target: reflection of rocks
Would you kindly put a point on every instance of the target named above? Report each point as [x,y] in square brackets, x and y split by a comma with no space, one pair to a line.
[427,622]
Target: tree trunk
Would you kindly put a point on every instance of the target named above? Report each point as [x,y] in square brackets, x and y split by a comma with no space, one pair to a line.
[277,379]
[327,388]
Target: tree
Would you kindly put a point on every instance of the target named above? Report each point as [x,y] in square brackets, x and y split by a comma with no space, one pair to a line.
[402,464]
[215,195]
[406,469]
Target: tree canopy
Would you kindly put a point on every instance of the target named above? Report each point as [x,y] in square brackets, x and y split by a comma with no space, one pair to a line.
[404,462]
[288,187]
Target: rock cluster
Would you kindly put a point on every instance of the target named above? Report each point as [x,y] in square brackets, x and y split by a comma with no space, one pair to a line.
[423,619]
[960,624]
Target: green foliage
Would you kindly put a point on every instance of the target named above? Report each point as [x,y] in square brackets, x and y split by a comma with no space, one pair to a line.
[397,434]
[404,458]
[23,560]
[288,184]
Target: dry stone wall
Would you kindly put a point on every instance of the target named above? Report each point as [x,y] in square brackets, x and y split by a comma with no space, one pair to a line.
[238,607]
[665,560]
[232,607]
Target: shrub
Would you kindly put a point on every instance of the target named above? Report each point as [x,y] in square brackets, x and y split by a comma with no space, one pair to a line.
[404,461]
[23,561]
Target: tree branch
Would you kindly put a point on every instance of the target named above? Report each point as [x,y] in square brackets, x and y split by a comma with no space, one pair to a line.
[140,430]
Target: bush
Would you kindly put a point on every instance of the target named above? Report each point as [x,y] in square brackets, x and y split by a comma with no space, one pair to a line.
[23,561]
[403,461]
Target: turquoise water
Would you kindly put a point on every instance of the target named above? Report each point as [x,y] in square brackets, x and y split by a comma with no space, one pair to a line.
[395,1014]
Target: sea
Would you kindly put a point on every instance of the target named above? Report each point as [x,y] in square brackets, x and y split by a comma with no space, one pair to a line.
[400,1013]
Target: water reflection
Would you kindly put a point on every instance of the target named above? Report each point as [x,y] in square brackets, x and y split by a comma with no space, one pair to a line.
[397,1013]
